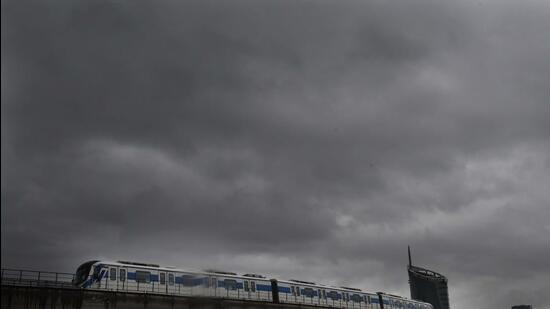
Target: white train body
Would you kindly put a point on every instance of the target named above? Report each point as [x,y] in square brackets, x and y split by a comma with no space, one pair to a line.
[150,278]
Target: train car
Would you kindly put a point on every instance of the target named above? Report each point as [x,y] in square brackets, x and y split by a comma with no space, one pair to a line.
[140,277]
[310,293]
[152,278]
[397,302]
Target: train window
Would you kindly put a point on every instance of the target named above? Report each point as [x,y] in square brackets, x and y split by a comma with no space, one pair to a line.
[246,286]
[356,298]
[171,279]
[308,292]
[112,273]
[319,293]
[162,278]
[298,291]
[95,274]
[214,283]
[293,291]
[143,276]
[333,295]
[324,294]
[188,280]
[122,275]
[230,284]
[253,286]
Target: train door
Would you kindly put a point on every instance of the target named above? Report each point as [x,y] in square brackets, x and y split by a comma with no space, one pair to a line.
[122,279]
[296,294]
[253,289]
[246,287]
[163,287]
[214,286]
[171,283]
[112,282]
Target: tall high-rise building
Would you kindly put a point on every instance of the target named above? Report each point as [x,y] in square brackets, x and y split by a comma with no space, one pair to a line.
[428,286]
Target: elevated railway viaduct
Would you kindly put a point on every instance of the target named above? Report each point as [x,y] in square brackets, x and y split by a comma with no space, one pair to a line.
[23,289]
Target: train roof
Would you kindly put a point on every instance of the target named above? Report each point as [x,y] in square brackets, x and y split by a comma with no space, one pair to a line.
[325,287]
[351,289]
[220,272]
[145,266]
[173,269]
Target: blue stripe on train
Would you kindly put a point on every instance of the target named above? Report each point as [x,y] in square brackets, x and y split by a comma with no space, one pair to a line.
[193,281]
[263,287]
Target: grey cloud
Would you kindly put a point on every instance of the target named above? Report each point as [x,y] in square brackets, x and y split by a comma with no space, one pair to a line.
[305,138]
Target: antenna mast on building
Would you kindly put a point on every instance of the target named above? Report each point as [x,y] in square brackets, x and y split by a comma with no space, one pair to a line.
[409,248]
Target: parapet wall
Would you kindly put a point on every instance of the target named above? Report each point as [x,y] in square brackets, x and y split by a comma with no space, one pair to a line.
[22,297]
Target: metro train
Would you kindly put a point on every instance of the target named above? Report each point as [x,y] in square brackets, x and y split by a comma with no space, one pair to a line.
[152,278]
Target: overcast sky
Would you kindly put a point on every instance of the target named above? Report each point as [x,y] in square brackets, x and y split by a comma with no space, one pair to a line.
[304,139]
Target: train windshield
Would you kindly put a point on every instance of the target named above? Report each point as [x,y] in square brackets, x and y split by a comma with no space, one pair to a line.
[82,273]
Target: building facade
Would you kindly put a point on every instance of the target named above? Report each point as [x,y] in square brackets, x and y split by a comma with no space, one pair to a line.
[428,286]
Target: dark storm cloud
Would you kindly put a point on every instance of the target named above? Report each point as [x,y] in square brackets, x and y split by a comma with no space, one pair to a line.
[304,138]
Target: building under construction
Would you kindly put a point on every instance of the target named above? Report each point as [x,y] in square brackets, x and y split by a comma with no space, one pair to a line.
[428,286]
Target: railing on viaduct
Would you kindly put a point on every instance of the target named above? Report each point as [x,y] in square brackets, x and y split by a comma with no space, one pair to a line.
[29,289]
[32,278]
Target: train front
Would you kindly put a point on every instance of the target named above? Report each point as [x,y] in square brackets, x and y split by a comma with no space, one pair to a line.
[83,272]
